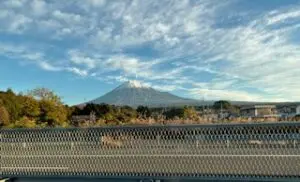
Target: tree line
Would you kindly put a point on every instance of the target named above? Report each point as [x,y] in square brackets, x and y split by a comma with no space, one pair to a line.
[41,107]
[37,108]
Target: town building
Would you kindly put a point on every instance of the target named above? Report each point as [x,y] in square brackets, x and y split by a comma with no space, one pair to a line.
[298,110]
[75,120]
[289,110]
[259,111]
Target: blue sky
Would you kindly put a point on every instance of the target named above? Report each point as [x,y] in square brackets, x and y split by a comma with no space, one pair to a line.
[216,49]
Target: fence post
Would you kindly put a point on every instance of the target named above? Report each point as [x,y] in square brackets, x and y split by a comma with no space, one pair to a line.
[158,139]
[227,142]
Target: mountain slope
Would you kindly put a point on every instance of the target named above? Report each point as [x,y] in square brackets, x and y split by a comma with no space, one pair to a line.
[133,94]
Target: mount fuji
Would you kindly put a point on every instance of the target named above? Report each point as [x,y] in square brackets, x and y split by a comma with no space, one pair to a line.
[134,93]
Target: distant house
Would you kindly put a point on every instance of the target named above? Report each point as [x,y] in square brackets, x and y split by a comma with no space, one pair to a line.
[289,110]
[259,111]
[224,114]
[83,118]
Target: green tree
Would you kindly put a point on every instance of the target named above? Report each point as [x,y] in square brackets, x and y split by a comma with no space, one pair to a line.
[52,113]
[143,111]
[222,104]
[189,113]
[4,116]
[100,110]
[126,114]
[226,106]
[174,113]
[52,110]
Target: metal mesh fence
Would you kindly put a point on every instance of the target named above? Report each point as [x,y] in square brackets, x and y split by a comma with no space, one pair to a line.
[195,151]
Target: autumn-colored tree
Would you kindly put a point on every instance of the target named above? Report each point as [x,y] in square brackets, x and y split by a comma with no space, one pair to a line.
[12,104]
[52,110]
[4,116]
[25,122]
[30,107]
[45,94]
[190,113]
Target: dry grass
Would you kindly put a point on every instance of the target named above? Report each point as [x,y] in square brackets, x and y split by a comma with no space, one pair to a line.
[198,120]
[203,120]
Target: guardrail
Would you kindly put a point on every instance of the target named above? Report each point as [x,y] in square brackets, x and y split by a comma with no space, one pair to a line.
[232,151]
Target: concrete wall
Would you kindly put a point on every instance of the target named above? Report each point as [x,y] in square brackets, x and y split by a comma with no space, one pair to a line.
[264,111]
[260,112]
[248,112]
[298,110]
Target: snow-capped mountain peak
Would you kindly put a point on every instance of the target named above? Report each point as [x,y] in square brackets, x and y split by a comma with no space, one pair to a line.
[134,93]
[132,84]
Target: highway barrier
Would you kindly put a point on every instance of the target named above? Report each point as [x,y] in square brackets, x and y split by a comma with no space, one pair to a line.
[220,151]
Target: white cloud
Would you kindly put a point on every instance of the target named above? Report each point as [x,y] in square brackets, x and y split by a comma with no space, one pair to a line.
[39,7]
[191,27]
[70,18]
[280,17]
[78,71]
[27,56]
[13,22]
[224,95]
[77,58]
[51,25]
[144,38]
[127,64]
[15,3]
[46,66]
[118,78]
[165,88]
[20,24]
[96,3]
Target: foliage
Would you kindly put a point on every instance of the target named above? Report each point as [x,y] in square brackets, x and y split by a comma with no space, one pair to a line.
[52,113]
[173,113]
[226,105]
[143,111]
[4,116]
[30,107]
[113,115]
[126,113]
[52,110]
[190,113]
[45,94]
[25,122]
[40,107]
[99,109]
[222,104]
[12,104]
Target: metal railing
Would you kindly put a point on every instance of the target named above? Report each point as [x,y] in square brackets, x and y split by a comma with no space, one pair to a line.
[233,151]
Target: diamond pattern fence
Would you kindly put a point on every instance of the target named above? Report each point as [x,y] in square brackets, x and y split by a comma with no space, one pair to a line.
[242,151]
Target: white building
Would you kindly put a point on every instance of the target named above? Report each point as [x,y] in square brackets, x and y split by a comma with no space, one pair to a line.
[297,110]
[259,111]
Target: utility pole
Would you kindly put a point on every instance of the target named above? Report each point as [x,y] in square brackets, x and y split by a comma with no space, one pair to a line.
[221,110]
[203,106]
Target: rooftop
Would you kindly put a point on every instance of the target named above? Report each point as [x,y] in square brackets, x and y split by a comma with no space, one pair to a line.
[258,107]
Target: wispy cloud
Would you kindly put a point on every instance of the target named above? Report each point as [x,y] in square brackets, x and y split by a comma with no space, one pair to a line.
[204,47]
[78,71]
